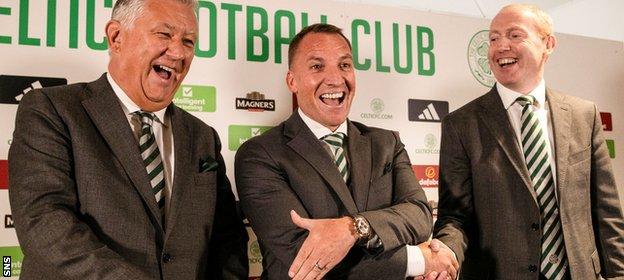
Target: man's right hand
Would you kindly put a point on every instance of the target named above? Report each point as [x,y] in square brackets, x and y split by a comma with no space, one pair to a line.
[440,261]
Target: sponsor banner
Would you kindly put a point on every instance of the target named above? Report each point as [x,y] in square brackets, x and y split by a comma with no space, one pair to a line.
[607,123]
[194,98]
[377,110]
[429,145]
[478,60]
[238,134]
[420,110]
[611,147]
[254,255]
[13,88]
[4,174]
[8,221]
[255,102]
[427,175]
[12,258]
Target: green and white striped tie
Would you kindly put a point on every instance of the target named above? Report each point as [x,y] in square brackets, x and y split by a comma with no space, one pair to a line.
[335,141]
[554,262]
[151,158]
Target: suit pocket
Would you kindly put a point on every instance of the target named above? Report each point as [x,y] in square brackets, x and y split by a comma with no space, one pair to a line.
[579,156]
[206,178]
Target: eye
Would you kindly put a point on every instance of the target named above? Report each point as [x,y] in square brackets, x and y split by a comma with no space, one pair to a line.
[189,43]
[163,34]
[317,66]
[345,66]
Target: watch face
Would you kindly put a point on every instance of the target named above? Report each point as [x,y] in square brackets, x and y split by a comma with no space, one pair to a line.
[363,228]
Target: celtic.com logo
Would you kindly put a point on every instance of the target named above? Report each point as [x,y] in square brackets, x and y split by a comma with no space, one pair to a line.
[478,60]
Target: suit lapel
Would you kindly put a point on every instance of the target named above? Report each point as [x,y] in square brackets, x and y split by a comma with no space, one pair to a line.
[560,116]
[182,143]
[304,143]
[495,117]
[106,113]
[360,165]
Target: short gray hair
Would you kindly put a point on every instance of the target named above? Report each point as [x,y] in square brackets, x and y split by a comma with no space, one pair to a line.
[127,11]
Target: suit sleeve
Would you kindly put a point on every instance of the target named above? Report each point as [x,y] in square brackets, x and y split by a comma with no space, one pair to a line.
[455,207]
[408,219]
[606,207]
[228,243]
[266,199]
[44,200]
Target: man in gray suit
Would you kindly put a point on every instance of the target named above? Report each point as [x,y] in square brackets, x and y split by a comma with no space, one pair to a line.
[328,197]
[527,189]
[110,180]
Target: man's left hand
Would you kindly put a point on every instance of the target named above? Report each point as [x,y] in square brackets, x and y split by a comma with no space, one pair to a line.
[328,242]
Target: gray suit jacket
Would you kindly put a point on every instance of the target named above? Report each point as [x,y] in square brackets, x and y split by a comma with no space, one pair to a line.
[82,202]
[488,212]
[288,168]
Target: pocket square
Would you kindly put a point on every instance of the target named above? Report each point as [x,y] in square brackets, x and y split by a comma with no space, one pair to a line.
[208,164]
[387,168]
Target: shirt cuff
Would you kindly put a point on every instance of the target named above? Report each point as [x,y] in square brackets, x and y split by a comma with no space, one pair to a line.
[415,261]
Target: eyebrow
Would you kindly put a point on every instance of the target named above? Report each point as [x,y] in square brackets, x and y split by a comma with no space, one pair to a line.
[173,28]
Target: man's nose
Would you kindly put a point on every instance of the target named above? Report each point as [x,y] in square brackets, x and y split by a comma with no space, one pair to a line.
[176,49]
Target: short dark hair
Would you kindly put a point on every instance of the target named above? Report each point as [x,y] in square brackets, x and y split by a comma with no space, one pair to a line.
[314,28]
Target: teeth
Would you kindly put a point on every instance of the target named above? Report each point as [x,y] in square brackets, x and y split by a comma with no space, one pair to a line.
[505,61]
[333,95]
[165,68]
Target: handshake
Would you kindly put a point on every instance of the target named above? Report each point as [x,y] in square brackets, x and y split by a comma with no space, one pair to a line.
[440,261]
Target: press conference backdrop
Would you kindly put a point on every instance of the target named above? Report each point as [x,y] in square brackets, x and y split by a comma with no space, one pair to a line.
[412,69]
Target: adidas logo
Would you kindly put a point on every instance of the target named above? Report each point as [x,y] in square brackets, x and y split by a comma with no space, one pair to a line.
[429,113]
[427,110]
[34,85]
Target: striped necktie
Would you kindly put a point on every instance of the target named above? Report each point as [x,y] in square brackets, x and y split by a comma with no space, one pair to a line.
[335,141]
[151,158]
[554,262]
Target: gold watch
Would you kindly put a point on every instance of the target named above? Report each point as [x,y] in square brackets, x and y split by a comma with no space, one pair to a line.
[362,229]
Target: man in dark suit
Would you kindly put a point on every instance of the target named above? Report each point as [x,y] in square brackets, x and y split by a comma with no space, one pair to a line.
[110,180]
[328,197]
[527,189]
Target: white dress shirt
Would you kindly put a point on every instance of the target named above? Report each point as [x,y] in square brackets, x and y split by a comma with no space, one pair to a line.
[415,258]
[162,132]
[514,111]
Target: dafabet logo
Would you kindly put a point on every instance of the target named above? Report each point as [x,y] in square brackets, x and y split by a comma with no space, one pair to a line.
[427,175]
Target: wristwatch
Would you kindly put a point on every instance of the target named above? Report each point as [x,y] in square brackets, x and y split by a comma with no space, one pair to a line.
[362,229]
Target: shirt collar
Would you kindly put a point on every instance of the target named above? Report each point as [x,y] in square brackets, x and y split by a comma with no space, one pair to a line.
[318,129]
[128,105]
[509,96]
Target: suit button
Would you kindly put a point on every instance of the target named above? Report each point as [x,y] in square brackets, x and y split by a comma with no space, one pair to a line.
[532,268]
[535,226]
[166,258]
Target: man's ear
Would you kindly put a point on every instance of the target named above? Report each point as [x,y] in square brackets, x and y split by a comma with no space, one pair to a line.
[551,42]
[113,35]
[291,83]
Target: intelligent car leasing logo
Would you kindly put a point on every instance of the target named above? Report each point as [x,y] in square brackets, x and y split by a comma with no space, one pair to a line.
[607,123]
[478,60]
[4,174]
[194,98]
[427,175]
[255,102]
[238,134]
[377,107]
[611,147]
[11,261]
[13,88]
[420,110]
